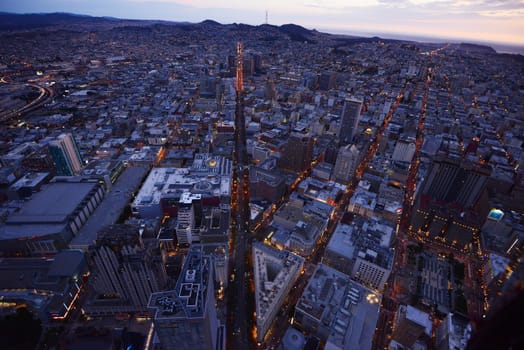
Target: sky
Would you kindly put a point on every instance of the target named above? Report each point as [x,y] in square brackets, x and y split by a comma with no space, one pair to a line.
[497,21]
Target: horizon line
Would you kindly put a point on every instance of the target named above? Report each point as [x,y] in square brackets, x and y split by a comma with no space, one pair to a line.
[364,33]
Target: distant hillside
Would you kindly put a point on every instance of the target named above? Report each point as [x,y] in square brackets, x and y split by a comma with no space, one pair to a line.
[12,21]
[210,22]
[16,22]
[476,48]
[296,32]
[348,41]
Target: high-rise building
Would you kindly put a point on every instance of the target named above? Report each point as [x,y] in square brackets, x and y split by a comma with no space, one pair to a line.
[448,203]
[186,318]
[270,92]
[404,151]
[453,332]
[413,328]
[65,154]
[186,217]
[331,152]
[347,161]
[268,184]
[249,64]
[452,181]
[208,87]
[125,267]
[369,271]
[349,120]
[327,80]
[298,153]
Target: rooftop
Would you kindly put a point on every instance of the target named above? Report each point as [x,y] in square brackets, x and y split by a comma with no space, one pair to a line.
[340,241]
[53,204]
[46,284]
[29,180]
[111,207]
[364,198]
[210,176]
[364,237]
[189,298]
[275,271]
[48,211]
[346,308]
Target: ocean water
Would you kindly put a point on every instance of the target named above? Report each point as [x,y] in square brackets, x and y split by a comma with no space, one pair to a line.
[499,47]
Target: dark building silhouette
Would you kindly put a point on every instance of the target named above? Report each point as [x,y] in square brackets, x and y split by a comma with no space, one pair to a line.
[266,184]
[446,206]
[327,80]
[208,87]
[298,153]
[331,153]
[349,121]
[270,92]
[450,181]
[126,267]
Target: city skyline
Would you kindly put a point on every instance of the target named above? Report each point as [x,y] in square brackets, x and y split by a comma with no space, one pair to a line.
[480,21]
[231,186]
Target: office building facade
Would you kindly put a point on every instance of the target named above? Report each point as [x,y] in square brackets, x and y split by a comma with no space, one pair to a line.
[452,181]
[347,161]
[65,155]
[349,121]
[125,267]
[298,153]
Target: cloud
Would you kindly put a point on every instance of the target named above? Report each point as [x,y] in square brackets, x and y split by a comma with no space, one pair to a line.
[340,4]
[508,13]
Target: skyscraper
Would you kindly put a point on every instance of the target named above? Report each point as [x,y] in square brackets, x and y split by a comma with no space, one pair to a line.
[327,81]
[349,120]
[125,267]
[208,87]
[447,203]
[450,181]
[185,318]
[186,217]
[298,153]
[331,152]
[347,161]
[65,154]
